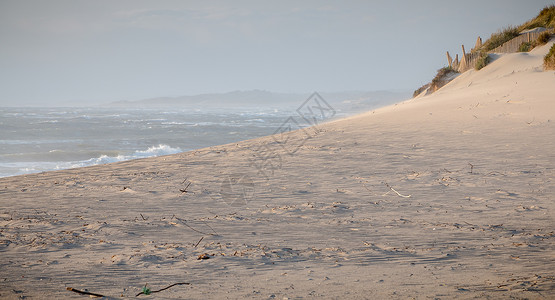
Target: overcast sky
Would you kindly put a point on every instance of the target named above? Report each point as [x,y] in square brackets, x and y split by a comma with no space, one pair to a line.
[78,52]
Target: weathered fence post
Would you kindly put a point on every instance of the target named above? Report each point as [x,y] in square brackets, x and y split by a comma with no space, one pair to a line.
[478,43]
[463,65]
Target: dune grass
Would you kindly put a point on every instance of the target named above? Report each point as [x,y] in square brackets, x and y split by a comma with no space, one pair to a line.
[442,78]
[525,47]
[549,59]
[499,38]
[420,90]
[543,38]
[483,61]
[546,18]
[442,74]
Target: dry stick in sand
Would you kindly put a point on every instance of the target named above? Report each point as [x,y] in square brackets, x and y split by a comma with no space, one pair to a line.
[184,222]
[395,191]
[185,189]
[169,286]
[364,185]
[84,292]
[471,167]
[199,241]
[210,227]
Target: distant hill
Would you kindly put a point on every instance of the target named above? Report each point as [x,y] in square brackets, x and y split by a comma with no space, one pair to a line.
[352,101]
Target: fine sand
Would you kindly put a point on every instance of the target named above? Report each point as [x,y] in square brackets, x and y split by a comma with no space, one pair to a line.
[444,196]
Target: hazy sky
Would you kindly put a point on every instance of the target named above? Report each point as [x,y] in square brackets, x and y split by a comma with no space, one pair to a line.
[76,52]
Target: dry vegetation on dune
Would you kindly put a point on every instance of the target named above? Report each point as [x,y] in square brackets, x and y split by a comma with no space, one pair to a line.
[483,61]
[525,47]
[499,38]
[546,18]
[540,41]
[443,76]
[421,89]
[549,59]
[543,38]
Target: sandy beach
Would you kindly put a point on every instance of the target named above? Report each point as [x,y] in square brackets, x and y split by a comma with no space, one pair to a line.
[444,196]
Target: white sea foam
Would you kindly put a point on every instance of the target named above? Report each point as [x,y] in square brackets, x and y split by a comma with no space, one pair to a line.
[157,151]
[105,159]
[10,169]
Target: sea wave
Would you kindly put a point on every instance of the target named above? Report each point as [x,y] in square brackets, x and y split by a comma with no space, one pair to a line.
[15,168]
[105,159]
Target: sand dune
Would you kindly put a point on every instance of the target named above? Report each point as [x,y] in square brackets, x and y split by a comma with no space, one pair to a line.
[445,196]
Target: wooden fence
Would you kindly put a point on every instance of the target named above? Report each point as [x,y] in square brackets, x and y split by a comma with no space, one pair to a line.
[513,45]
[468,60]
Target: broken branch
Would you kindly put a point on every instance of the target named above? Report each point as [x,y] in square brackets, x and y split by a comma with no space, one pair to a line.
[84,292]
[199,241]
[398,194]
[169,286]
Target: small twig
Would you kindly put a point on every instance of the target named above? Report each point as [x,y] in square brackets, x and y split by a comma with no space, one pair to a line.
[184,222]
[193,229]
[210,227]
[199,241]
[143,217]
[471,167]
[398,194]
[84,292]
[185,189]
[169,286]
[364,185]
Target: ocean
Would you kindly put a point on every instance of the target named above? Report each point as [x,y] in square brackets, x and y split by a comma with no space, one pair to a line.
[34,140]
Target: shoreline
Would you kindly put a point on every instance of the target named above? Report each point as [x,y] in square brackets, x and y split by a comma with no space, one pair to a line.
[109,155]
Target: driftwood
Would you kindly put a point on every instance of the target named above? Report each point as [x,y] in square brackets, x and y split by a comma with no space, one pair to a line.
[392,189]
[84,292]
[147,291]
